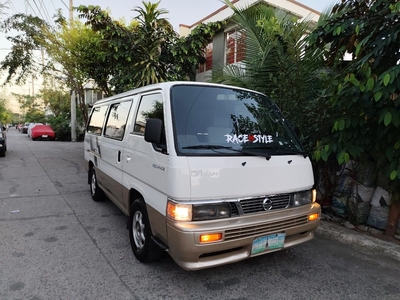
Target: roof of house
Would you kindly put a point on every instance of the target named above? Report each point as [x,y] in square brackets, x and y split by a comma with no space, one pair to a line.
[283,4]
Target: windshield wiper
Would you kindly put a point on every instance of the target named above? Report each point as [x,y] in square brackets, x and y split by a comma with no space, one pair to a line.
[280,150]
[216,147]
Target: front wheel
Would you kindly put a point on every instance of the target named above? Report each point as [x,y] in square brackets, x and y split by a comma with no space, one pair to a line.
[95,191]
[143,247]
[3,151]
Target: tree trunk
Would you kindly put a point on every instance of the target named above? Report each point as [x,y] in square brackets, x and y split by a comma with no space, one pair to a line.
[393,220]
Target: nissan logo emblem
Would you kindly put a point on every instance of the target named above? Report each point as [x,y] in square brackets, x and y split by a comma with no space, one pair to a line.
[267,204]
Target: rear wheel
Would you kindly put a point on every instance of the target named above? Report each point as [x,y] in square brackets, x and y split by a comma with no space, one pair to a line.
[143,247]
[95,190]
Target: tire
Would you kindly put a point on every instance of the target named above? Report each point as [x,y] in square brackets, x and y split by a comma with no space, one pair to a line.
[95,191]
[3,152]
[143,247]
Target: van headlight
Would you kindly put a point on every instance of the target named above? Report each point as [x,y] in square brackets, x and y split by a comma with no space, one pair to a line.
[198,212]
[303,198]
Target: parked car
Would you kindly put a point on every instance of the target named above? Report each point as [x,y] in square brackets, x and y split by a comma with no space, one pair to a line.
[24,128]
[3,140]
[42,132]
[31,125]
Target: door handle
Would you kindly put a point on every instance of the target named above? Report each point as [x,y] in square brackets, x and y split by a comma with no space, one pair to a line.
[119,156]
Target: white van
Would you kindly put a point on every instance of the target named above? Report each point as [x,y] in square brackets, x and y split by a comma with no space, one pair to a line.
[212,174]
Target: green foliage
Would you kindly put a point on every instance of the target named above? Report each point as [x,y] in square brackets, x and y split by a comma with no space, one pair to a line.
[147,51]
[61,126]
[57,101]
[64,47]
[19,62]
[33,111]
[278,63]
[366,99]
[5,113]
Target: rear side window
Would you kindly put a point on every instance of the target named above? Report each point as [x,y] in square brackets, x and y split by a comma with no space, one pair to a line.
[116,122]
[97,119]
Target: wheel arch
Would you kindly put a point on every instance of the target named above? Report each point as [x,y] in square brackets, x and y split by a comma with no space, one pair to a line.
[90,166]
[133,195]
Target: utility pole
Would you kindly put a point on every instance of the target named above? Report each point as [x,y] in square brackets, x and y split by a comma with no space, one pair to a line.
[73,96]
[71,11]
[73,116]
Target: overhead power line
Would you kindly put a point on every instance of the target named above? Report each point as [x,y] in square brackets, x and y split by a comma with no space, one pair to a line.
[40,12]
[65,4]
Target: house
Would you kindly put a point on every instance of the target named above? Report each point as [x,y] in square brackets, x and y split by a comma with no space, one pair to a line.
[92,92]
[225,47]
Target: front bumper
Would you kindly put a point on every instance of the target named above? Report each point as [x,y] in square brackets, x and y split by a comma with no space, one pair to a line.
[238,234]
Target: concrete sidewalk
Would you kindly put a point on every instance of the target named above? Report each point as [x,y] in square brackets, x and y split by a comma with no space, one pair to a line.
[362,240]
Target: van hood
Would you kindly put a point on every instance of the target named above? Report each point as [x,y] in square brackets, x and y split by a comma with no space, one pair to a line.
[236,177]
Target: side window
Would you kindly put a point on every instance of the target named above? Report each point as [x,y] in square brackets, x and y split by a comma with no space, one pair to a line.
[151,106]
[96,120]
[116,122]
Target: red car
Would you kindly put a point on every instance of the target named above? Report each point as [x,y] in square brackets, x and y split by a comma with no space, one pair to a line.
[43,132]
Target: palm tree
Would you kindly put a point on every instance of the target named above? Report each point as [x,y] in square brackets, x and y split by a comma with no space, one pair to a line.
[154,33]
[278,63]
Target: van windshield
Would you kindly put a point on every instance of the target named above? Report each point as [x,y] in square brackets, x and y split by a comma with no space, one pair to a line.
[211,120]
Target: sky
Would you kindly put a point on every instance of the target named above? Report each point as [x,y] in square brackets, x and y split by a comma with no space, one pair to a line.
[179,11]
[185,12]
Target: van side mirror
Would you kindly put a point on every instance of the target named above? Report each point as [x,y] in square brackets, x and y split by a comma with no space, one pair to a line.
[153,131]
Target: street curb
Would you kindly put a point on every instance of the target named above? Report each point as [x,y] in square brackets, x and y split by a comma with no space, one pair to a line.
[352,237]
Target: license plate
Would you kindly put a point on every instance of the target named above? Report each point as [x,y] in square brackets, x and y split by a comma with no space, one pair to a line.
[268,242]
[45,135]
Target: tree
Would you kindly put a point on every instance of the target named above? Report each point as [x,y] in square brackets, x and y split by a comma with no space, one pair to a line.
[278,63]
[366,90]
[148,50]
[5,113]
[57,102]
[33,110]
[67,49]
[116,56]
[20,62]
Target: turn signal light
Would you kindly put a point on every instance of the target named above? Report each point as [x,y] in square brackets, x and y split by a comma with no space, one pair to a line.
[209,238]
[313,217]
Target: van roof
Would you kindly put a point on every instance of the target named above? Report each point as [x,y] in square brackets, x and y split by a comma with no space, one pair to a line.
[163,86]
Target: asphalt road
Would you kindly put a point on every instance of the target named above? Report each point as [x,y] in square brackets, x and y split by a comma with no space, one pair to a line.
[56,243]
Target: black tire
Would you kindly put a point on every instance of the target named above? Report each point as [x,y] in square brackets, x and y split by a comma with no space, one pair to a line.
[143,247]
[3,152]
[95,191]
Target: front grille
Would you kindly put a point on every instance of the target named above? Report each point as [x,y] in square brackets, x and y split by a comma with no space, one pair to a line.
[264,229]
[255,205]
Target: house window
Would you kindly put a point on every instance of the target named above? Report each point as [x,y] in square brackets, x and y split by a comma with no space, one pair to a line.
[208,56]
[235,46]
[92,96]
